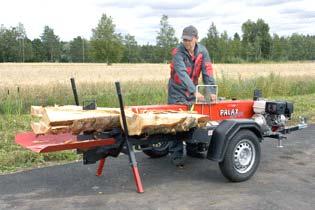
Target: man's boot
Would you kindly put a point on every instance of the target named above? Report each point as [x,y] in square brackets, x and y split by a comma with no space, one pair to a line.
[177,151]
[196,150]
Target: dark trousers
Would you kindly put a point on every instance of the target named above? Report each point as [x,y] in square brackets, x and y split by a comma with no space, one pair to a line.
[177,152]
[176,148]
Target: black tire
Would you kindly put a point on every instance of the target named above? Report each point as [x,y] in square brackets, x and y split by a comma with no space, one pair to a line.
[156,150]
[242,157]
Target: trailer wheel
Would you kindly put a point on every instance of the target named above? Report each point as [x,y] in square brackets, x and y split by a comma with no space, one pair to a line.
[156,150]
[242,157]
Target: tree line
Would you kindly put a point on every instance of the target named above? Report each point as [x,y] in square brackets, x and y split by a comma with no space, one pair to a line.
[107,46]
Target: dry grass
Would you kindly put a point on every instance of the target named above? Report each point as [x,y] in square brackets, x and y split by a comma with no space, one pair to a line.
[17,74]
[254,70]
[48,73]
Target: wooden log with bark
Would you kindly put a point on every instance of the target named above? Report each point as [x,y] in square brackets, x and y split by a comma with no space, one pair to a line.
[73,119]
[60,119]
[158,122]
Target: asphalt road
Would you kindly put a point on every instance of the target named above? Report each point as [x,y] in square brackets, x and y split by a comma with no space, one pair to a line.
[285,180]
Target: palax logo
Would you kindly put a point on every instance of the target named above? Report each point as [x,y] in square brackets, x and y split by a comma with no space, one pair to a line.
[228,112]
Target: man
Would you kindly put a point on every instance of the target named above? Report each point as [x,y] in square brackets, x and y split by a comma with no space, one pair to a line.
[190,59]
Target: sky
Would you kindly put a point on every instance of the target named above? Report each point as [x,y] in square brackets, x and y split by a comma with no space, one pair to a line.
[141,18]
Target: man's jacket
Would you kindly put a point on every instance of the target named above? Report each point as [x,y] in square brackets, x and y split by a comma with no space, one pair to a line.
[185,72]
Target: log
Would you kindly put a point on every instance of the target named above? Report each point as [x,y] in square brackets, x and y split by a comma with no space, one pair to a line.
[41,128]
[163,122]
[101,123]
[55,117]
[60,119]
[73,119]
[37,111]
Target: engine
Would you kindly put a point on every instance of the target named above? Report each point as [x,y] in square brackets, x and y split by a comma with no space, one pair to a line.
[272,115]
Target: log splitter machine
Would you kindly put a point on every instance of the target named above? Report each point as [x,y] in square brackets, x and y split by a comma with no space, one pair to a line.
[232,136]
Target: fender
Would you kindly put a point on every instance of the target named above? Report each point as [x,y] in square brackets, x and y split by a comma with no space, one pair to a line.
[223,134]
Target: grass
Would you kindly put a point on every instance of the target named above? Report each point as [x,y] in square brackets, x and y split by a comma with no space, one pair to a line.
[304,105]
[135,93]
[13,157]
[16,99]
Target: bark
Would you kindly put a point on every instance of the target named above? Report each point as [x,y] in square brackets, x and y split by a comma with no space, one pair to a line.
[60,119]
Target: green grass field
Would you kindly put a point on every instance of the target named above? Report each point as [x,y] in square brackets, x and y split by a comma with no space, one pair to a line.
[15,106]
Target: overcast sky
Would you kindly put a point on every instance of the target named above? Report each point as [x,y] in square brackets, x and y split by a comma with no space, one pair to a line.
[140,18]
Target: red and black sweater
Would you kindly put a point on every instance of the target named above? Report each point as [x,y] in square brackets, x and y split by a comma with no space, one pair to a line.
[185,72]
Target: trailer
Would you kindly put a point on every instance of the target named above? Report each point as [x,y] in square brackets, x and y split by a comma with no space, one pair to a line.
[232,136]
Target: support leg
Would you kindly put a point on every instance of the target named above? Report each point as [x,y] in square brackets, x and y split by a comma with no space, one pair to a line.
[100,167]
[137,179]
[134,167]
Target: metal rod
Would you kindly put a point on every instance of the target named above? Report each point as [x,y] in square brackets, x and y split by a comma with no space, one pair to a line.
[74,90]
[131,154]
[132,158]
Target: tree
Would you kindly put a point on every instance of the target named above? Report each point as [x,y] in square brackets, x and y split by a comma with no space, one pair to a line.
[297,47]
[27,50]
[25,44]
[279,49]
[38,51]
[166,39]
[51,45]
[65,52]
[309,47]
[264,38]
[106,44]
[212,43]
[236,48]
[256,40]
[131,50]
[78,50]
[225,52]
[9,44]
[248,40]
[21,39]
[149,54]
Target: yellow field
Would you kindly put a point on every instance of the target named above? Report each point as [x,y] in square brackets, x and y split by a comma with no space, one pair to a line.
[16,74]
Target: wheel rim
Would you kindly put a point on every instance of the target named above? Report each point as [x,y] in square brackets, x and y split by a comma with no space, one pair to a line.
[244,156]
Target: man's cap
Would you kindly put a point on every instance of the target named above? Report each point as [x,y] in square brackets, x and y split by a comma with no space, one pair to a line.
[189,32]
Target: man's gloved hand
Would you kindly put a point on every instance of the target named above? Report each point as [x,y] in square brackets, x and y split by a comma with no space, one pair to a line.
[199,96]
[213,97]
